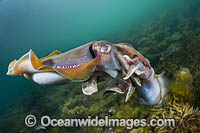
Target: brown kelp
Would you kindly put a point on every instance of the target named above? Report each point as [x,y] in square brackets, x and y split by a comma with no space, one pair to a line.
[187,118]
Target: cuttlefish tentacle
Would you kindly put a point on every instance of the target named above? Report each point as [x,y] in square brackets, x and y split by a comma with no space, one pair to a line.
[131,80]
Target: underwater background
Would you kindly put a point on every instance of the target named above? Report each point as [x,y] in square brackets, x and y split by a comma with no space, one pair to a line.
[165,32]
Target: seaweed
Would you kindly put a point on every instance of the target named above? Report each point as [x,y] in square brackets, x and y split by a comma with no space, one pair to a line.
[182,87]
[187,118]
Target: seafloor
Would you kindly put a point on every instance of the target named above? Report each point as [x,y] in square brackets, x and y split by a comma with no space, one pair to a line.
[172,44]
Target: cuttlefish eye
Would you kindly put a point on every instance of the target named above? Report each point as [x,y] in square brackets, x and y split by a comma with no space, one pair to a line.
[105,48]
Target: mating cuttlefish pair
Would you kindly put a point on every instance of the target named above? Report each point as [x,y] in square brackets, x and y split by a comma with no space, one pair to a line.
[123,67]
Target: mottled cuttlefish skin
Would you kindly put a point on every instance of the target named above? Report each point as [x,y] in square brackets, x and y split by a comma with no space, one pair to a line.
[123,67]
[66,66]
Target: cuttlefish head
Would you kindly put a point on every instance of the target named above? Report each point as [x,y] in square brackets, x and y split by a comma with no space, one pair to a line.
[105,52]
[26,64]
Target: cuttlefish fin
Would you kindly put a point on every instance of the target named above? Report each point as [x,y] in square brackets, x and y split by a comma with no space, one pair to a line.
[37,64]
[130,92]
[28,63]
[82,72]
[12,63]
[46,68]
[54,53]
[90,87]
[116,85]
[35,60]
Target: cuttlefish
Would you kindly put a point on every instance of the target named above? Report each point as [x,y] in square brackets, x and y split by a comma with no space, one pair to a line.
[123,67]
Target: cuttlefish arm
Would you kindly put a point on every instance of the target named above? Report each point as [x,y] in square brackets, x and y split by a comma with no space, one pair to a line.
[113,63]
[126,68]
[109,63]
[89,87]
[119,86]
[127,49]
[116,85]
[152,87]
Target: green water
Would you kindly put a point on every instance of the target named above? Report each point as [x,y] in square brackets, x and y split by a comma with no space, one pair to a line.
[47,25]
[166,32]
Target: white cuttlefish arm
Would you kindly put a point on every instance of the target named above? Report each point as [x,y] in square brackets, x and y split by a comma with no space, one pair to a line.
[152,87]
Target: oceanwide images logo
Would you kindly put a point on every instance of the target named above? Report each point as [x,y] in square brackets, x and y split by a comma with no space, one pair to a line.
[46,121]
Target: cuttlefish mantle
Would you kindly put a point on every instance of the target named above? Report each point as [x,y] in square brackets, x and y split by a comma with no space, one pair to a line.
[57,67]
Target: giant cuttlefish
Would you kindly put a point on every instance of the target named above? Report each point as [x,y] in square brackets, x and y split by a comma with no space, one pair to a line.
[123,67]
